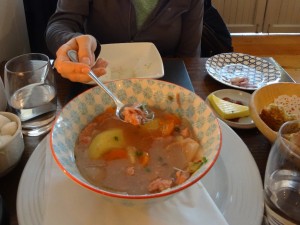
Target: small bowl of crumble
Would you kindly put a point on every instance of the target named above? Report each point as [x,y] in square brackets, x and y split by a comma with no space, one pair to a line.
[273,105]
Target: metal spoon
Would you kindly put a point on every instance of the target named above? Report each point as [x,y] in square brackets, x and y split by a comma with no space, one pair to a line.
[149,115]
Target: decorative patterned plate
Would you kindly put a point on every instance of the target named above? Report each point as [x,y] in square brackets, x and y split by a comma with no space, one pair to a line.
[229,68]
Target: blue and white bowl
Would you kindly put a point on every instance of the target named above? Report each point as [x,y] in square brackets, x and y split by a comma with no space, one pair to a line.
[167,96]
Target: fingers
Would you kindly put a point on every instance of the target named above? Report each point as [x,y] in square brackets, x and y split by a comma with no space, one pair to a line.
[99,67]
[101,63]
[87,45]
[77,72]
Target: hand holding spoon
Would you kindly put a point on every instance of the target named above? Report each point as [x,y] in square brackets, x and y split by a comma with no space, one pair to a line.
[130,113]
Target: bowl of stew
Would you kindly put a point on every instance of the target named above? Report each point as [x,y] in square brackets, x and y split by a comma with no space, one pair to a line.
[132,163]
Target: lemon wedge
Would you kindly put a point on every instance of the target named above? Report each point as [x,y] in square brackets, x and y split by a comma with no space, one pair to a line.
[228,110]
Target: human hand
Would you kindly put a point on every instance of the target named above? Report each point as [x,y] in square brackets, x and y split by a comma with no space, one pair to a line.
[85,46]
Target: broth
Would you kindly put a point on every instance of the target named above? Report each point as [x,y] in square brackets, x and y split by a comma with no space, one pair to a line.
[138,160]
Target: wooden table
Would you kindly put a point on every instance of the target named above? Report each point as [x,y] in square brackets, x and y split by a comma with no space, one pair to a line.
[202,83]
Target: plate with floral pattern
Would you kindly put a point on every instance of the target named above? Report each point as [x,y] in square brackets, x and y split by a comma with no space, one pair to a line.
[242,71]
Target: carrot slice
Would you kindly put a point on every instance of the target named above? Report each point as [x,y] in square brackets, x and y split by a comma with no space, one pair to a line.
[172,117]
[119,153]
[144,159]
[168,123]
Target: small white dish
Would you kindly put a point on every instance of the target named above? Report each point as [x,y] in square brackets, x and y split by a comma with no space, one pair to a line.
[226,66]
[11,142]
[131,60]
[236,95]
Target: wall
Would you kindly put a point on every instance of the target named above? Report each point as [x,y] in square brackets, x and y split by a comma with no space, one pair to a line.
[13,34]
[255,16]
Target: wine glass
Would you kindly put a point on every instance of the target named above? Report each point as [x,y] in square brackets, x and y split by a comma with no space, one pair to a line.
[282,177]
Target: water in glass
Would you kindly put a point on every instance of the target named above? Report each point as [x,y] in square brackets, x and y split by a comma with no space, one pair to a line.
[31,92]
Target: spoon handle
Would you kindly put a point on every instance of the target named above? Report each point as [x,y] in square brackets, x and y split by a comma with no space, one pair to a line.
[73,56]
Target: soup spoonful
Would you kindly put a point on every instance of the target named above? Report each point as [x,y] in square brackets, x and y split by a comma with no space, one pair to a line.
[135,114]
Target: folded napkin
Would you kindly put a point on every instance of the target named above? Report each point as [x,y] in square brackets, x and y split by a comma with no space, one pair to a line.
[70,204]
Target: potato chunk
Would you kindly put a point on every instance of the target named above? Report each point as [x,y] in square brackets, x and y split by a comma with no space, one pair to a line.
[105,141]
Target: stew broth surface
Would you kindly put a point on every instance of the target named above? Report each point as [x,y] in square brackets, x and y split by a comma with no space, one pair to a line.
[137,160]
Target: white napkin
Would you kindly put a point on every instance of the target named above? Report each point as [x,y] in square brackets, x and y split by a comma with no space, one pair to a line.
[70,204]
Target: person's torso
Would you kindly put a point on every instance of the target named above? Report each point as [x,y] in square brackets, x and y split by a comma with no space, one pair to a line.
[113,21]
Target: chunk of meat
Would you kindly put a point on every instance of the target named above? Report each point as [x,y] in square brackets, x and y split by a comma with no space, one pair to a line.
[130,171]
[159,185]
[185,132]
[240,81]
[189,147]
[85,136]
[181,176]
[134,115]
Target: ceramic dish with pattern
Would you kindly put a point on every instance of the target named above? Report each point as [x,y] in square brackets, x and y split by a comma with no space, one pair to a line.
[242,71]
[131,60]
[159,94]
[237,96]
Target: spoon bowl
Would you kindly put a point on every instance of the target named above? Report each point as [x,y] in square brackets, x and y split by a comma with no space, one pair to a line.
[145,114]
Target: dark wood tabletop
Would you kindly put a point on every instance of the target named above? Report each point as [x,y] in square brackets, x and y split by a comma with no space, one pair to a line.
[203,84]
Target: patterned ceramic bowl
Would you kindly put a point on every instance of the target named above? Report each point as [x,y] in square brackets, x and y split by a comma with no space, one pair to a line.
[170,97]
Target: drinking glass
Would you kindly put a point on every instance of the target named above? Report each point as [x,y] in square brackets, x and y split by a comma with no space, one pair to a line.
[3,101]
[31,93]
[282,177]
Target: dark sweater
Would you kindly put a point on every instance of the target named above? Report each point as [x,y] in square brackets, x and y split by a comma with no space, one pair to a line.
[175,26]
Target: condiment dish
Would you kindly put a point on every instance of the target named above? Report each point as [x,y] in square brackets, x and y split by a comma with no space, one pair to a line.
[237,96]
[11,142]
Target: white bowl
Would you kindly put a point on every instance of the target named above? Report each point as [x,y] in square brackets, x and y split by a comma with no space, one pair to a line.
[83,108]
[11,152]
[131,60]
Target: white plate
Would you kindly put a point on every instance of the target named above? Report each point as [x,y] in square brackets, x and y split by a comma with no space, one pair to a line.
[237,95]
[223,67]
[131,60]
[234,183]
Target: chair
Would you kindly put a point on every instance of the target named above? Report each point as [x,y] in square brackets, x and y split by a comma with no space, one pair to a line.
[37,13]
[216,38]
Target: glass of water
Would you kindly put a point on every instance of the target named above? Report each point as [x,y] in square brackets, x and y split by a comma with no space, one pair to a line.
[31,92]
[282,177]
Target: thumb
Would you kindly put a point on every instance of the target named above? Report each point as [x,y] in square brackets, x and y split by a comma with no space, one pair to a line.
[86,48]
